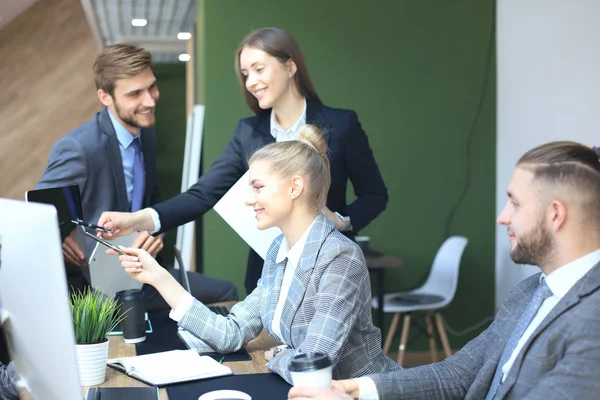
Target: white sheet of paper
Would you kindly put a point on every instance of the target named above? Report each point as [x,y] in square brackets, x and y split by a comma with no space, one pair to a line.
[241,218]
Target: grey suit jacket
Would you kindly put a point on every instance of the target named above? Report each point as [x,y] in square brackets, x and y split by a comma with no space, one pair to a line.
[561,359]
[89,157]
[328,309]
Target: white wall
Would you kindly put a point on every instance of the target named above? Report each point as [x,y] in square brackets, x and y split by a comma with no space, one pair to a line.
[548,89]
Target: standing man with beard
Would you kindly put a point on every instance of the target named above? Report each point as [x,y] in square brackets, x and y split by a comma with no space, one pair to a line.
[545,340]
[112,159]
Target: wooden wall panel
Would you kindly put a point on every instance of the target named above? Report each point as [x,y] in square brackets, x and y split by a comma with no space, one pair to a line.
[46,88]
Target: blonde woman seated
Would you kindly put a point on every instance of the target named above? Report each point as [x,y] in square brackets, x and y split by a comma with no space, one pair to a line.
[314,293]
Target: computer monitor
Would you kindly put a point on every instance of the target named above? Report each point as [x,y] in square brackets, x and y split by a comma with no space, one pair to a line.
[33,293]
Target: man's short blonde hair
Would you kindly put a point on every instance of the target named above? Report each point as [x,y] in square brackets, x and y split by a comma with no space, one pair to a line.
[119,61]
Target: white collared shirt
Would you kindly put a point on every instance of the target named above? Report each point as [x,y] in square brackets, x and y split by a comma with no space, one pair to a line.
[560,282]
[280,134]
[293,255]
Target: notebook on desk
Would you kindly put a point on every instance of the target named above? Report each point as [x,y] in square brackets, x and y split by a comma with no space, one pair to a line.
[160,369]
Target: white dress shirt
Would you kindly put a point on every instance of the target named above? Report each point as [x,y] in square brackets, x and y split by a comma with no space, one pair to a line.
[282,135]
[293,255]
[560,282]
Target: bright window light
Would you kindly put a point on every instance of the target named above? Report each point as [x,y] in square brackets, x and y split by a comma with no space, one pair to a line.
[184,36]
[184,57]
[139,22]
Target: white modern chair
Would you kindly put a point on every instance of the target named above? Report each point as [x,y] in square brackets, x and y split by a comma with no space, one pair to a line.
[437,292]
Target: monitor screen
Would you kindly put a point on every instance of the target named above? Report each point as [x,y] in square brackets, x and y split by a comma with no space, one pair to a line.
[34,298]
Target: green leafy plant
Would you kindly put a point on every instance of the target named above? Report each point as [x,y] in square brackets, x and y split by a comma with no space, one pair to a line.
[94,315]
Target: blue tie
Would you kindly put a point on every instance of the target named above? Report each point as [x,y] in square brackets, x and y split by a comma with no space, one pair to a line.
[139,176]
[541,294]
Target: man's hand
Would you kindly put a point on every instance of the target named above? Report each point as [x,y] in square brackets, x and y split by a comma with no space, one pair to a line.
[305,393]
[152,244]
[333,217]
[72,253]
[123,224]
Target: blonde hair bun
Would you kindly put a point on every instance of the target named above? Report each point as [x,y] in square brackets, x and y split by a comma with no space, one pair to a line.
[312,136]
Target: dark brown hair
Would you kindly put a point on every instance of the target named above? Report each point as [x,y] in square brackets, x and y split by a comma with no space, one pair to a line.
[119,61]
[281,45]
[568,164]
[306,156]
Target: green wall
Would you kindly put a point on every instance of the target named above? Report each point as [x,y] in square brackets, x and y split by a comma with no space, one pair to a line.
[170,138]
[413,71]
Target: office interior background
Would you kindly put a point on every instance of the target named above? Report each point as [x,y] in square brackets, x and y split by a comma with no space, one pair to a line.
[450,93]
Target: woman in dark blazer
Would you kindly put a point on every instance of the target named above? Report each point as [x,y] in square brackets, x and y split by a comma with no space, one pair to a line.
[277,87]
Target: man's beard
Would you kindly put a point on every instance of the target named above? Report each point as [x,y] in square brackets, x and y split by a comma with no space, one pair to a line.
[534,247]
[129,119]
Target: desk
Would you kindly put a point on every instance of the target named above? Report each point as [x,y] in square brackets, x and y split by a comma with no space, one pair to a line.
[118,348]
[377,263]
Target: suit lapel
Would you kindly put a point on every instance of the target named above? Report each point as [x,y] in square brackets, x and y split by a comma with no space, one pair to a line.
[586,285]
[149,151]
[114,158]
[302,275]
[315,116]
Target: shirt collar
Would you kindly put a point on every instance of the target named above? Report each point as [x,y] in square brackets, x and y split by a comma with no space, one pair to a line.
[561,280]
[276,128]
[294,253]
[123,135]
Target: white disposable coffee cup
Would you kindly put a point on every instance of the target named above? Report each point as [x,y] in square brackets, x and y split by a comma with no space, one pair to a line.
[225,395]
[311,370]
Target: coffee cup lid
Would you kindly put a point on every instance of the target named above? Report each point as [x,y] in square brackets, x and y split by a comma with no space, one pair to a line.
[309,362]
[129,294]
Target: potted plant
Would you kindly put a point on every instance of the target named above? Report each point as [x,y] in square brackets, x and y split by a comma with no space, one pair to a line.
[94,315]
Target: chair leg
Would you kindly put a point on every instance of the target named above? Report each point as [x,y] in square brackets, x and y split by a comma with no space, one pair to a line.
[403,339]
[432,346]
[391,332]
[443,337]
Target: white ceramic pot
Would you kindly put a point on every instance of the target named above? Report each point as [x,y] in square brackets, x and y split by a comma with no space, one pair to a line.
[91,362]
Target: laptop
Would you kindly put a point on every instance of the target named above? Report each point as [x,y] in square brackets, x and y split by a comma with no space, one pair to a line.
[67,201]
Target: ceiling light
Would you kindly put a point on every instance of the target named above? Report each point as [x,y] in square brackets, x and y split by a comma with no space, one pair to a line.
[184,36]
[139,22]
[185,57]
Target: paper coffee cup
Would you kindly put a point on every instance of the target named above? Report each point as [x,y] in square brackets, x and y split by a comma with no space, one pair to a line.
[225,395]
[311,370]
[134,325]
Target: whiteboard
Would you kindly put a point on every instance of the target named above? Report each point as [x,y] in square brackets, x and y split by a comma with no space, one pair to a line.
[190,174]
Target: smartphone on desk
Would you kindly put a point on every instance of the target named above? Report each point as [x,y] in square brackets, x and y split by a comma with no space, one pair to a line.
[106,243]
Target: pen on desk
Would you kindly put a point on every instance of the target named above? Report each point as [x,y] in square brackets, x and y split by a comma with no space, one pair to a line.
[221,360]
[90,225]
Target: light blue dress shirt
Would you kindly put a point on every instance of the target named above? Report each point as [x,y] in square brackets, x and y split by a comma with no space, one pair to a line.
[125,139]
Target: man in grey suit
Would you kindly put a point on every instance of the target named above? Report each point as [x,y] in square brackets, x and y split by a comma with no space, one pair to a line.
[112,159]
[545,340]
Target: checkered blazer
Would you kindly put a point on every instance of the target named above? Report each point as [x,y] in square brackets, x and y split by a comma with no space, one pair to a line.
[561,359]
[8,389]
[328,309]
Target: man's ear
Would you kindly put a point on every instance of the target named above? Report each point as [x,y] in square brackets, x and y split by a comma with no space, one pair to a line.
[557,212]
[105,98]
